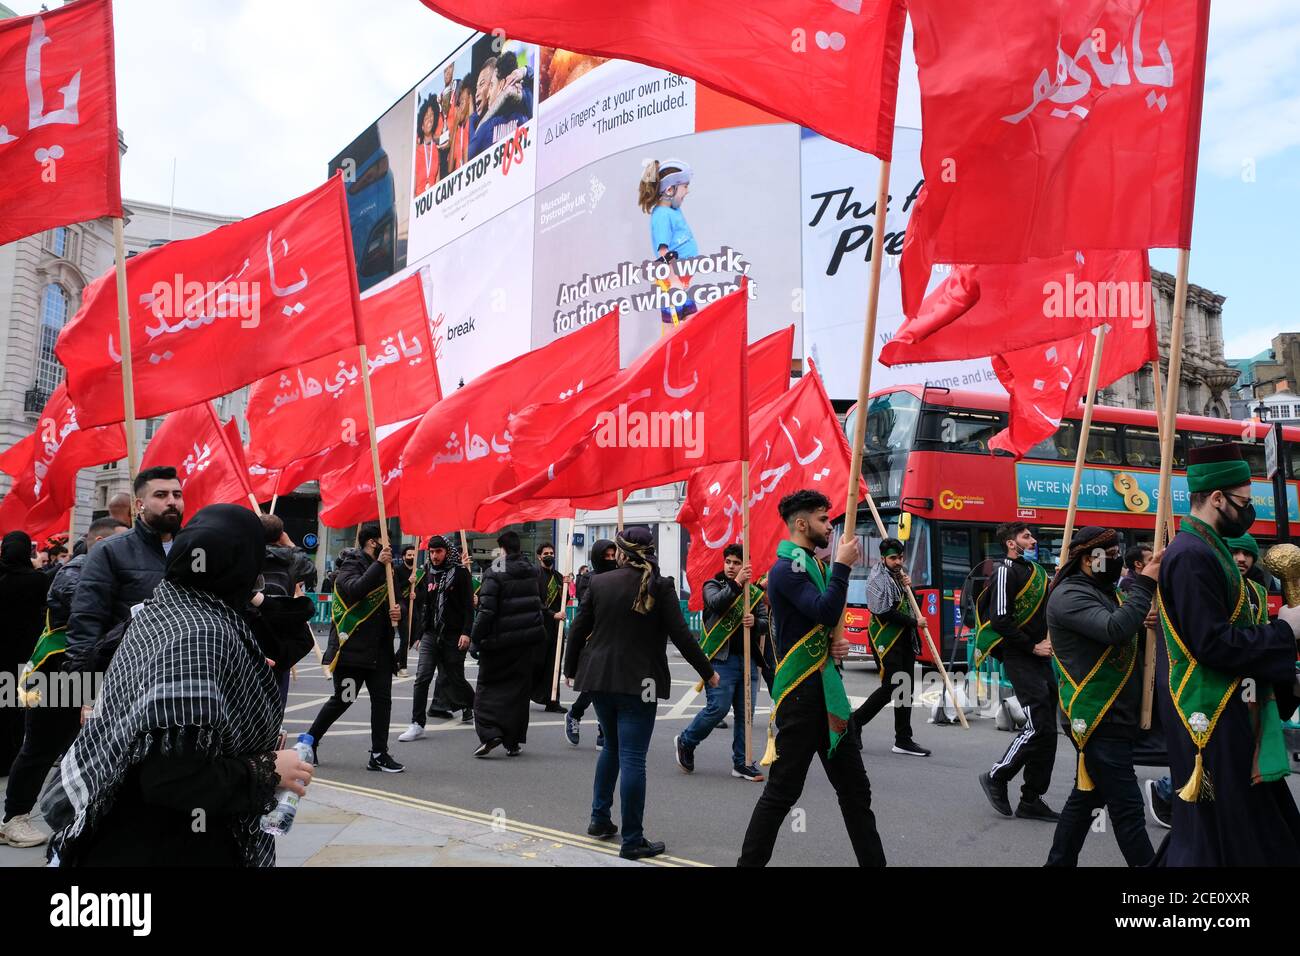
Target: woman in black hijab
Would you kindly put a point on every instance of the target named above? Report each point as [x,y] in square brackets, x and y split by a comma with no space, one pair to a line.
[22,602]
[181,761]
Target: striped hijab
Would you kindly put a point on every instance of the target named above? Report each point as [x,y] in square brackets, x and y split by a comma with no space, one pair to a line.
[187,678]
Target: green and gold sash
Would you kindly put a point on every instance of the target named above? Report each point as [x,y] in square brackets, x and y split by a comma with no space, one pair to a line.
[1200,693]
[53,640]
[406,588]
[811,653]
[347,619]
[883,634]
[1085,702]
[477,580]
[552,589]
[1027,603]
[714,639]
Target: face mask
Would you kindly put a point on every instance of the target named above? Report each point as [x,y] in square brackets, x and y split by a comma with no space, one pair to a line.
[1029,554]
[1110,575]
[1236,527]
[548,561]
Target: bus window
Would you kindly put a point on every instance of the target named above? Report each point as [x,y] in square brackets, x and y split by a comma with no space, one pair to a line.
[891,430]
[918,552]
[1253,452]
[1141,447]
[1061,446]
[959,429]
[1103,444]
[954,544]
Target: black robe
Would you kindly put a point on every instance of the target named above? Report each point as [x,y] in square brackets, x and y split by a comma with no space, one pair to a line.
[544,653]
[1245,824]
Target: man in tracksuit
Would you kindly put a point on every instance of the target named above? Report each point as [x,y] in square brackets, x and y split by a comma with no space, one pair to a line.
[360,649]
[1013,616]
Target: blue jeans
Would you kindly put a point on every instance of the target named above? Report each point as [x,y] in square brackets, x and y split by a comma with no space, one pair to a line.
[627,722]
[729,695]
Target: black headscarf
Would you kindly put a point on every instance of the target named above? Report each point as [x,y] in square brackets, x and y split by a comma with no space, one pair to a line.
[598,563]
[16,551]
[638,545]
[1084,542]
[220,551]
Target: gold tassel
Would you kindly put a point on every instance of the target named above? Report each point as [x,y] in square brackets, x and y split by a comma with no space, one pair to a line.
[699,686]
[1084,782]
[769,755]
[1192,791]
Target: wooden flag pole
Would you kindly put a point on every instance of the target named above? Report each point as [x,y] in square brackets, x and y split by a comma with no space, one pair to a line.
[274,498]
[620,509]
[1085,431]
[379,480]
[864,372]
[124,333]
[559,633]
[921,624]
[1158,541]
[744,597]
[464,548]
[1163,534]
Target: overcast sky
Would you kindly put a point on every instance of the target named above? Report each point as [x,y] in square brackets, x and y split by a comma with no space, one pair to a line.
[252,98]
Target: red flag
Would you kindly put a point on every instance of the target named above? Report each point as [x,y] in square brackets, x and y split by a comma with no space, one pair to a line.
[769,367]
[1062,125]
[299,411]
[830,66]
[1048,381]
[207,456]
[347,495]
[680,406]
[462,450]
[58,119]
[213,313]
[989,309]
[795,442]
[45,464]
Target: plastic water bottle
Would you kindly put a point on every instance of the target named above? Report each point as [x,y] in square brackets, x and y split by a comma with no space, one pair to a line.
[279,820]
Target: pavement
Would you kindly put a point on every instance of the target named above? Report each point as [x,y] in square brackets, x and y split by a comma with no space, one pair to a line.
[450,809]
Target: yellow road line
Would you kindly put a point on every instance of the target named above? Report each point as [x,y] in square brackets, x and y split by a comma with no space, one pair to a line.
[580,841]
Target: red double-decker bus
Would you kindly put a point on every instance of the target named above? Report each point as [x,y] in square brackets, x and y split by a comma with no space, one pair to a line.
[928,466]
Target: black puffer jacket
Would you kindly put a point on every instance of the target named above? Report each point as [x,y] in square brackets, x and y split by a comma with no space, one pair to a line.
[358,574]
[62,588]
[118,574]
[509,608]
[285,567]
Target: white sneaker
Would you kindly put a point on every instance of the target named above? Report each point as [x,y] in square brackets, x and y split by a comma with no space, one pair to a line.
[413,732]
[21,832]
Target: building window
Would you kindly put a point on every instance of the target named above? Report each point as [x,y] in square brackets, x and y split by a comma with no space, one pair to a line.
[59,242]
[54,312]
[151,426]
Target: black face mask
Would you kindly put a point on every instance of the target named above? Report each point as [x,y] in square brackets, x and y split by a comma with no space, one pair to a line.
[1236,527]
[1109,576]
[548,560]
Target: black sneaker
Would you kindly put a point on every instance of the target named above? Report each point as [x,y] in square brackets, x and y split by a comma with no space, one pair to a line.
[467,716]
[685,755]
[1036,809]
[642,850]
[487,747]
[385,763]
[553,708]
[910,748]
[1161,809]
[750,773]
[514,751]
[572,729]
[997,794]
[602,831]
[440,714]
[722,725]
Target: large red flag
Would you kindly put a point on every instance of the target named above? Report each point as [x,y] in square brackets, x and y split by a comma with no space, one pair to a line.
[347,495]
[990,309]
[830,65]
[45,464]
[213,313]
[299,411]
[207,456]
[268,482]
[769,367]
[461,453]
[58,119]
[795,442]
[1054,126]
[1048,381]
[680,406]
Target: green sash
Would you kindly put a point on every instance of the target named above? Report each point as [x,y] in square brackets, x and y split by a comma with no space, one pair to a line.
[477,580]
[883,635]
[713,639]
[1085,702]
[552,589]
[347,619]
[1200,693]
[52,641]
[1027,603]
[406,588]
[810,653]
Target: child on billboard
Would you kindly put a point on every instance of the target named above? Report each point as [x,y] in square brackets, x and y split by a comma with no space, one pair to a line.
[662,190]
